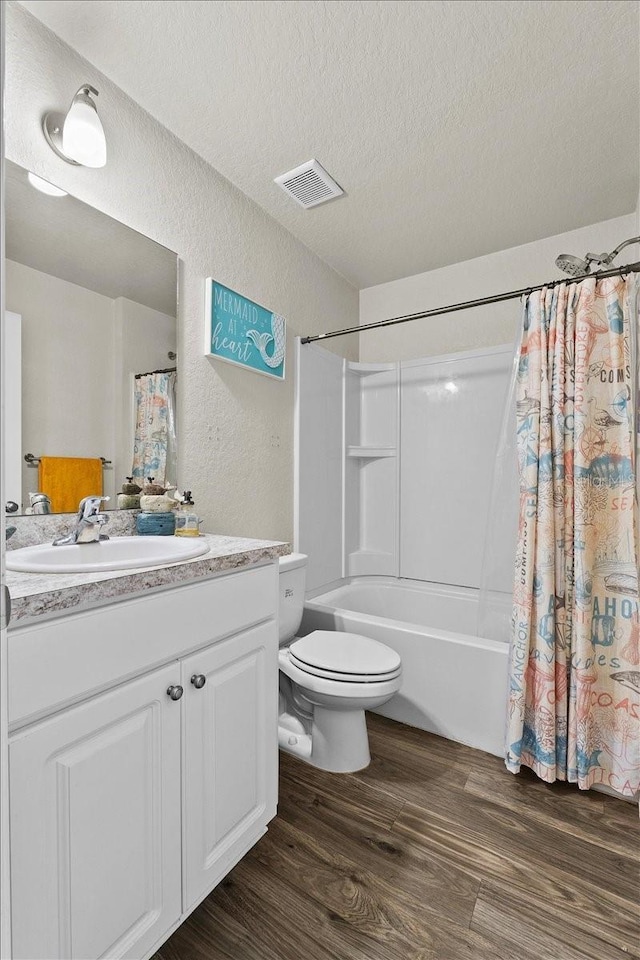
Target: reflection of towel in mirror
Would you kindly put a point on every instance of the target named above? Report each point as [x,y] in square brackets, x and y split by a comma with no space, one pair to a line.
[66,480]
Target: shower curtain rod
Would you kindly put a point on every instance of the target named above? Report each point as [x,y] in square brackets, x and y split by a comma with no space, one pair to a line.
[452,308]
[150,373]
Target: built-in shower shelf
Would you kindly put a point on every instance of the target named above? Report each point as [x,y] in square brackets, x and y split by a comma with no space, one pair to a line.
[366,369]
[371,453]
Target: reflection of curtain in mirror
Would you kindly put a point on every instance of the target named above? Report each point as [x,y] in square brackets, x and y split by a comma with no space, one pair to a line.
[154,446]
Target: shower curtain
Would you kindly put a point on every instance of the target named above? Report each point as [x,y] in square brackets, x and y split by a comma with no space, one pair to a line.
[574,698]
[154,447]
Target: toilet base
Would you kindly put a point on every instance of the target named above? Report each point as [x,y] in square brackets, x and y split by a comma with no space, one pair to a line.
[339,740]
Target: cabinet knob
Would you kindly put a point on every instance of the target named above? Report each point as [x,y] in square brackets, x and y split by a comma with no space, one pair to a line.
[175,691]
[198,680]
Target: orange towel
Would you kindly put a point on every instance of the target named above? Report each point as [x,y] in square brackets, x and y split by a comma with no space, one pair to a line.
[66,480]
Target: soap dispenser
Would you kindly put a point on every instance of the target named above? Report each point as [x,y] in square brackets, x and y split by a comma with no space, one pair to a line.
[187,522]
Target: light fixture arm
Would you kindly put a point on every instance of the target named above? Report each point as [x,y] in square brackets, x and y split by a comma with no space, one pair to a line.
[86,88]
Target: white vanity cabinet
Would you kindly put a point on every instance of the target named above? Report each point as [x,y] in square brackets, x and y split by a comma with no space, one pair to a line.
[132,796]
[227,741]
[95,825]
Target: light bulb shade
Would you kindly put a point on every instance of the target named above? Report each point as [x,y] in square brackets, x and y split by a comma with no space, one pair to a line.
[45,187]
[83,138]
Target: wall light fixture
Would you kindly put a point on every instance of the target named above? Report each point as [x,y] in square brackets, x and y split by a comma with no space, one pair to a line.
[78,137]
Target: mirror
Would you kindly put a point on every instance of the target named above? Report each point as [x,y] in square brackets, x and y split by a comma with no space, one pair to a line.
[90,351]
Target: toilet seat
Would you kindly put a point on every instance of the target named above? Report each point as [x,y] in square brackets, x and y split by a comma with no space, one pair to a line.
[343,689]
[345,677]
[346,657]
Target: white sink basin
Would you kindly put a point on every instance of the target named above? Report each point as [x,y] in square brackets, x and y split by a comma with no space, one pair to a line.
[119,553]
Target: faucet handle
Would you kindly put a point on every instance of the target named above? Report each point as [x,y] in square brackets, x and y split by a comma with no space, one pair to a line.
[97,518]
[90,506]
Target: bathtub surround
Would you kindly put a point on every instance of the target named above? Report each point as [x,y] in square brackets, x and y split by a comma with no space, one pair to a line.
[394,473]
[233,427]
[574,700]
[387,455]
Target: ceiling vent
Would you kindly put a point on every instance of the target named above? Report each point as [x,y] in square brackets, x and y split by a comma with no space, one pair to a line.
[309,184]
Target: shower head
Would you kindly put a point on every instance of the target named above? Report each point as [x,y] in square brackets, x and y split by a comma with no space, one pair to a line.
[574,266]
[577,267]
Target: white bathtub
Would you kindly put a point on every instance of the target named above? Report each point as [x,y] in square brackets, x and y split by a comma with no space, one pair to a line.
[454,683]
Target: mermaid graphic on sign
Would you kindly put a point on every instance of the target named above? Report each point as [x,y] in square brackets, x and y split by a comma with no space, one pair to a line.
[263,340]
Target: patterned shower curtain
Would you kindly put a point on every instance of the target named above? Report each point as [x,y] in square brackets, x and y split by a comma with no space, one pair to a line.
[154,447]
[574,699]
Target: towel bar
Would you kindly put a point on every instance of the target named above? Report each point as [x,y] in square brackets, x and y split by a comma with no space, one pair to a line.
[34,461]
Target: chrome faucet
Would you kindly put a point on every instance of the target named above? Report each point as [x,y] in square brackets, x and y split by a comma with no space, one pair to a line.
[88,523]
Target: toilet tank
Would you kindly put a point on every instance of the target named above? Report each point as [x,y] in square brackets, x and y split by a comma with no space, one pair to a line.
[292,576]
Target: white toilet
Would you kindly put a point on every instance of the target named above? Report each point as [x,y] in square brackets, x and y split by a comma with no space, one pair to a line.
[327,681]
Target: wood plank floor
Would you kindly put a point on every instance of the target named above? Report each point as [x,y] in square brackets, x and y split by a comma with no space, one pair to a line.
[434,852]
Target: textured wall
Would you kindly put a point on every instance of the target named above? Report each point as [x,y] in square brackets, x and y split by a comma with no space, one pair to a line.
[235,428]
[530,263]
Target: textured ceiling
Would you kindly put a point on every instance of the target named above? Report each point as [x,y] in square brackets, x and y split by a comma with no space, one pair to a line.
[66,238]
[455,128]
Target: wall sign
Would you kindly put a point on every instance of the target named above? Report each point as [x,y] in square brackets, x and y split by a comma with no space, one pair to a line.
[240,331]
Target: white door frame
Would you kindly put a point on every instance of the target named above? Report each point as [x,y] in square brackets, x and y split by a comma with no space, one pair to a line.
[5,904]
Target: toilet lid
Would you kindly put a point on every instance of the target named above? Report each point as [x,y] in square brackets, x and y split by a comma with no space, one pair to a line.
[345,656]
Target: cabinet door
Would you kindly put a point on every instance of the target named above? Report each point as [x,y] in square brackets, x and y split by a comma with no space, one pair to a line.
[231,753]
[95,825]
